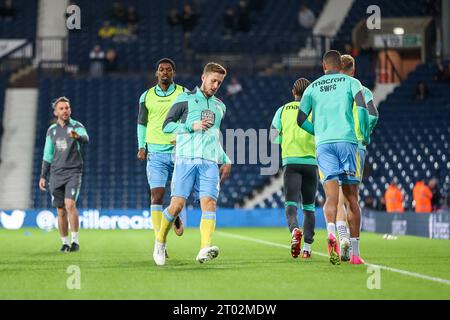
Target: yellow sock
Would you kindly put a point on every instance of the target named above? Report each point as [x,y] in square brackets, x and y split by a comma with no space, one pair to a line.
[166,223]
[156,212]
[207,226]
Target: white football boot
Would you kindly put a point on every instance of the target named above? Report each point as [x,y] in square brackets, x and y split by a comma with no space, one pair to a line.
[159,253]
[207,254]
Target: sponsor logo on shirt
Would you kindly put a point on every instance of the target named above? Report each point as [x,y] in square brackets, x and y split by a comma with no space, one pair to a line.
[209,116]
[61,144]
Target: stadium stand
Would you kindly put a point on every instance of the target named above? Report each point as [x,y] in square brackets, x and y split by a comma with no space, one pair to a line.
[365,66]
[418,149]
[389,9]
[275,29]
[157,38]
[23,24]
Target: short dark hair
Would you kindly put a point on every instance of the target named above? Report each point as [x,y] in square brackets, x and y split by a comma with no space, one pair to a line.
[165,60]
[332,57]
[60,99]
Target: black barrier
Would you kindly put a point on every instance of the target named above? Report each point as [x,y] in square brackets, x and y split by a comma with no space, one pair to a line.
[429,225]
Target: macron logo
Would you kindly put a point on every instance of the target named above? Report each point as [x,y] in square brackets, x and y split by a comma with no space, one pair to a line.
[13,221]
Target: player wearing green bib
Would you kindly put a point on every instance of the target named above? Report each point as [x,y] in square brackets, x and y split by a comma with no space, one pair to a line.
[299,169]
[330,99]
[348,68]
[153,143]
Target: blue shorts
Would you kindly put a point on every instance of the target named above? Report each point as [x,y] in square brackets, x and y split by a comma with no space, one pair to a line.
[339,161]
[362,158]
[159,168]
[198,175]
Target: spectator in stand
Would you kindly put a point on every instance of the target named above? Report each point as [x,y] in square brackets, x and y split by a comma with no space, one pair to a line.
[422,196]
[243,17]
[97,60]
[394,199]
[119,14]
[128,31]
[188,23]
[436,199]
[132,16]
[133,30]
[369,203]
[107,31]
[111,61]
[306,18]
[381,205]
[173,18]
[125,34]
[229,22]
[443,74]
[234,87]
[7,11]
[422,91]
[351,50]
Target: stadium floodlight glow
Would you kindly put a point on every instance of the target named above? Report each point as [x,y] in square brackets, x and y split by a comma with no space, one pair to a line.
[399,31]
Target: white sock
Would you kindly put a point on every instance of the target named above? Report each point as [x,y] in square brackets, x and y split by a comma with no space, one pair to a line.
[65,240]
[355,246]
[75,237]
[331,228]
[306,247]
[342,230]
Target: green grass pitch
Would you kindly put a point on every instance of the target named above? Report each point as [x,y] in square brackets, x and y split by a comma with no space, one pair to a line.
[118,265]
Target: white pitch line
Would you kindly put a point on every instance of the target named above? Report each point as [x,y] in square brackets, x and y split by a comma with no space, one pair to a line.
[273,244]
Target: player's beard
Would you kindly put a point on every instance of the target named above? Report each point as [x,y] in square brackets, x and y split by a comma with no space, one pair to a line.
[211,92]
[166,81]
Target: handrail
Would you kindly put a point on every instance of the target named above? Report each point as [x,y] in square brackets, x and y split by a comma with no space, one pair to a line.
[15,50]
[391,63]
[10,64]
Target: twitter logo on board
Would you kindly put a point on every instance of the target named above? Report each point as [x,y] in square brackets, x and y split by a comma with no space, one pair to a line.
[12,221]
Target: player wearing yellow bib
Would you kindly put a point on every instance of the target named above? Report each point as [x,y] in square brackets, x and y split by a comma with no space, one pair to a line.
[299,169]
[153,143]
[348,68]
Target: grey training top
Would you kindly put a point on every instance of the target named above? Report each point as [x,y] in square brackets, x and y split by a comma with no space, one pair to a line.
[61,152]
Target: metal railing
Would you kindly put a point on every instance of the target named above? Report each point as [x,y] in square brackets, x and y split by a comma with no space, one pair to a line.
[387,71]
[52,49]
[17,58]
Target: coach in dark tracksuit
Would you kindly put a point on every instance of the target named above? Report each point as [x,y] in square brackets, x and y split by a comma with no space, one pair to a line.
[64,164]
[300,170]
